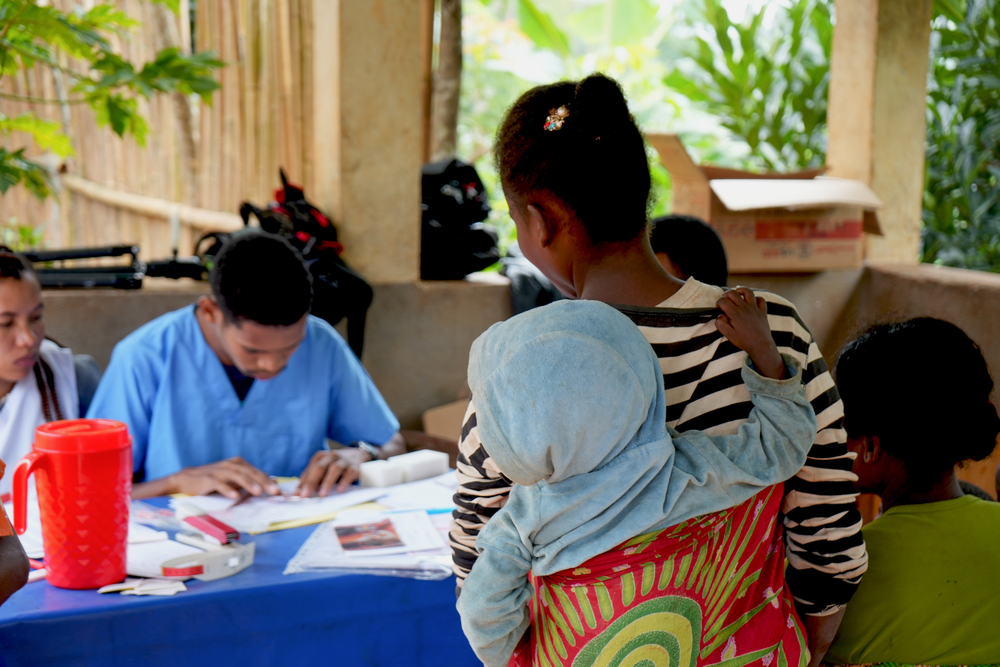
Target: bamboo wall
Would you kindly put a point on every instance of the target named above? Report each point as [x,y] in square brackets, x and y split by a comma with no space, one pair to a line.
[211,157]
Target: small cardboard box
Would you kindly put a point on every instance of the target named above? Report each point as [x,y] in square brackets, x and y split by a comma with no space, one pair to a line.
[445,421]
[773,222]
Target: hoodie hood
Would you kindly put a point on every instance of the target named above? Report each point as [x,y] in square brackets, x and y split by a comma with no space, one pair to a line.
[563,389]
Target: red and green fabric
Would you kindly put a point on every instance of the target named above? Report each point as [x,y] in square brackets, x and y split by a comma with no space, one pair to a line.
[709,591]
[905,664]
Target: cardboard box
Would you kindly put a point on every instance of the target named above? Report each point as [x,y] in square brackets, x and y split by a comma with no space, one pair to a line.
[773,222]
[445,421]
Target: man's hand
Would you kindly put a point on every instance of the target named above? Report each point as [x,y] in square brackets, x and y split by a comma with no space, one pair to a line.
[226,477]
[744,323]
[327,468]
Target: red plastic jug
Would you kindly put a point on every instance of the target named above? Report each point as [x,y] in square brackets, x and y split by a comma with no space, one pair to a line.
[83,471]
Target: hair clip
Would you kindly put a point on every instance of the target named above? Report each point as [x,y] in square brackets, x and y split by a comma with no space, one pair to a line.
[556,119]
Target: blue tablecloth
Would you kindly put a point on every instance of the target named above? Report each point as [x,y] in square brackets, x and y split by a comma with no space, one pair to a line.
[257,617]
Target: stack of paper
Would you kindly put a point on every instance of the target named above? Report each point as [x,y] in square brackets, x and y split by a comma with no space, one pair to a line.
[259,515]
[434,495]
[404,543]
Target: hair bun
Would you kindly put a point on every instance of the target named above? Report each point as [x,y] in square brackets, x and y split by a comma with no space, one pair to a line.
[599,106]
[979,432]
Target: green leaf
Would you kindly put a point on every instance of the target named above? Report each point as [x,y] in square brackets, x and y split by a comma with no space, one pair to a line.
[172,5]
[541,29]
[615,22]
[46,134]
[15,168]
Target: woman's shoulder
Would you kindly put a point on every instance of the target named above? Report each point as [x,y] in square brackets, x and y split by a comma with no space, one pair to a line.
[958,518]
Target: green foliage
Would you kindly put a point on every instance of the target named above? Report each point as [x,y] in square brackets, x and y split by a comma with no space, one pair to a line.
[510,46]
[15,168]
[961,213]
[45,132]
[542,30]
[20,237]
[109,84]
[766,81]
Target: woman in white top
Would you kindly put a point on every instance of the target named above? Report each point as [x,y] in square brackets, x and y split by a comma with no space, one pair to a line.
[39,380]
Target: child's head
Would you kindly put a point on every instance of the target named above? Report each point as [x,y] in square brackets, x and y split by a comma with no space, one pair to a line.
[915,393]
[586,174]
[688,247]
[22,327]
[562,389]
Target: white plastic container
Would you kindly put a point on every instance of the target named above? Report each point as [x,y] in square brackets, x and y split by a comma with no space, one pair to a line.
[421,464]
[381,473]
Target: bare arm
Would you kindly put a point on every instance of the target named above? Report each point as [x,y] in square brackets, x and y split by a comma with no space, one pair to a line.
[14,567]
[820,631]
[744,323]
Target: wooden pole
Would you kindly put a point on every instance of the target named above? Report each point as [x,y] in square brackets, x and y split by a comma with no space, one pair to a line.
[427,67]
[447,82]
[152,207]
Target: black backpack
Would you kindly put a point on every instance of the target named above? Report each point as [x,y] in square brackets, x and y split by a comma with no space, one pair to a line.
[454,240]
[338,290]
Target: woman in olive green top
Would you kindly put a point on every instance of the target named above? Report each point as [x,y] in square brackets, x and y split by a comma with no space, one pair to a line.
[917,403]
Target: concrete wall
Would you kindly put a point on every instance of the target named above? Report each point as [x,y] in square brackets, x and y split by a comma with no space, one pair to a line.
[838,305]
[93,321]
[417,338]
[878,84]
[419,334]
[367,102]
[820,299]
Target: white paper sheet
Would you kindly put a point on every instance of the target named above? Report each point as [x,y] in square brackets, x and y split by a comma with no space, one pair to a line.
[257,514]
[146,558]
[31,540]
[403,532]
[428,494]
[322,551]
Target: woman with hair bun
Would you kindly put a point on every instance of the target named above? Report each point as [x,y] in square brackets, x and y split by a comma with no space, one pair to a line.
[574,170]
[39,380]
[917,396]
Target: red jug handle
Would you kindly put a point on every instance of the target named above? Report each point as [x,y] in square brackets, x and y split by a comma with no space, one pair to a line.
[24,468]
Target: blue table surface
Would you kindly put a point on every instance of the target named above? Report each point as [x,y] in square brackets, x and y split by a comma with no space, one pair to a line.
[256,617]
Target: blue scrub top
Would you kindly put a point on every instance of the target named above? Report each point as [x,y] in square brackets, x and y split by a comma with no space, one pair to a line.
[170,388]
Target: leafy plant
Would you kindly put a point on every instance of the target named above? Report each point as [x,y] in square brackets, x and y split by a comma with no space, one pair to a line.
[512,45]
[20,237]
[31,33]
[766,80]
[961,213]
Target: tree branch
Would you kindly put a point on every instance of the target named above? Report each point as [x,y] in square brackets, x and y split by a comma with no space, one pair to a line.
[41,58]
[40,100]
[14,19]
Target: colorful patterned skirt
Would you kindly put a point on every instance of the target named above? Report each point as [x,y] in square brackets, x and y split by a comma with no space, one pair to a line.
[709,591]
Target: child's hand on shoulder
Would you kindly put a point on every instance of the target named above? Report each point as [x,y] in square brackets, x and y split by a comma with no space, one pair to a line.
[744,323]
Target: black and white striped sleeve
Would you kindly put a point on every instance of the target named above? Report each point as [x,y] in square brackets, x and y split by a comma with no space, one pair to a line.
[482,492]
[823,543]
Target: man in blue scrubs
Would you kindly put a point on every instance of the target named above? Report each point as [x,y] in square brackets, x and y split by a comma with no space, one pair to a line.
[245,384]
